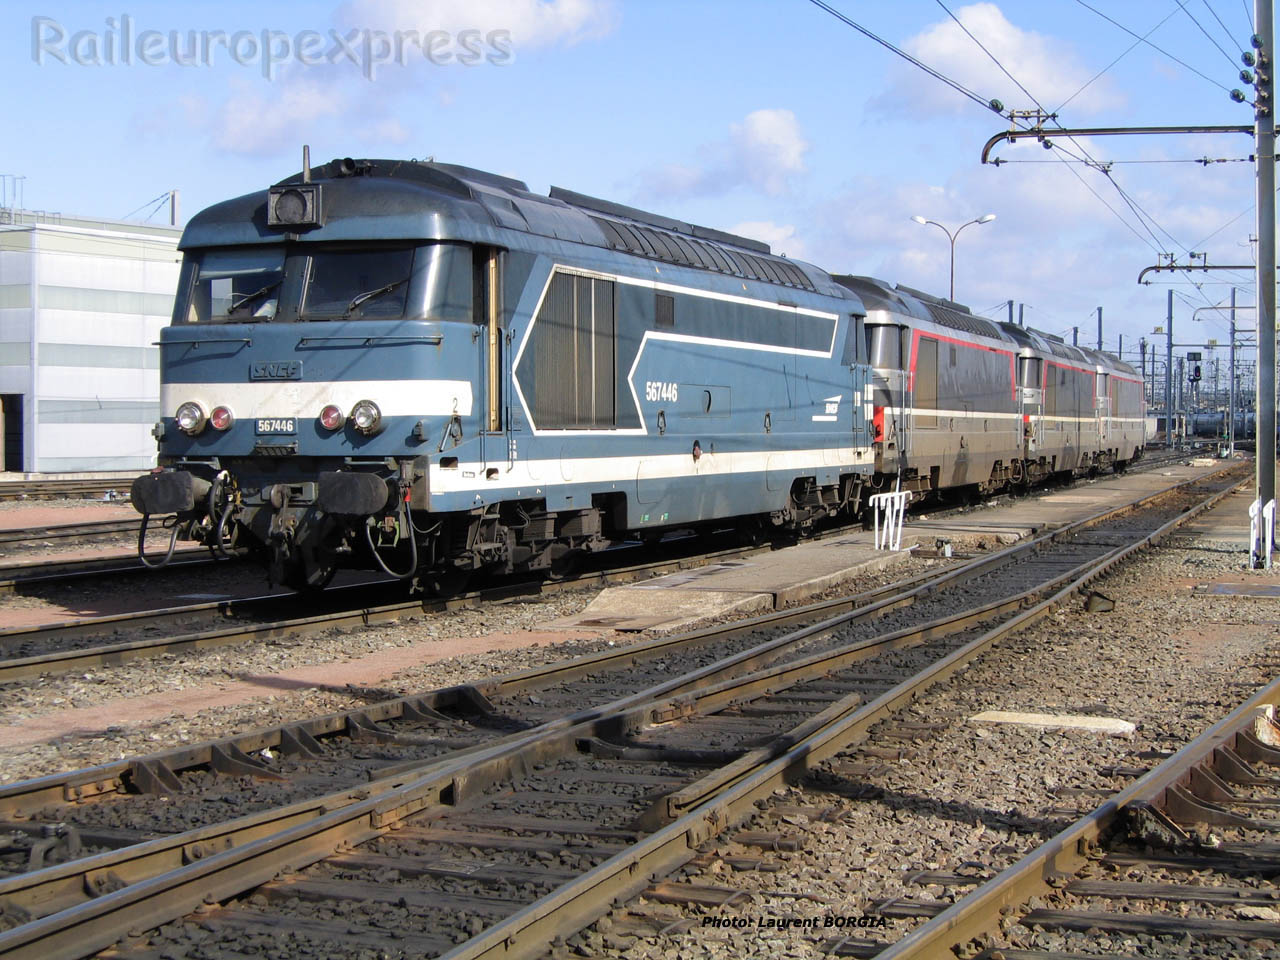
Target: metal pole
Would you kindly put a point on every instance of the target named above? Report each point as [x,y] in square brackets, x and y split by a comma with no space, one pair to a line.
[1120,348]
[953,261]
[1265,151]
[1075,336]
[1231,387]
[1020,307]
[1099,329]
[1142,366]
[1181,405]
[1168,375]
[1010,313]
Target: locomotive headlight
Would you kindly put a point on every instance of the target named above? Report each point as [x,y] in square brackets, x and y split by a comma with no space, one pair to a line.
[190,418]
[331,417]
[366,417]
[221,418]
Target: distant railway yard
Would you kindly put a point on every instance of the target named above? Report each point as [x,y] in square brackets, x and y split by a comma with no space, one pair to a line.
[992,744]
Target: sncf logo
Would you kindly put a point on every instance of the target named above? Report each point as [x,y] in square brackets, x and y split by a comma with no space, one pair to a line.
[276,370]
[831,410]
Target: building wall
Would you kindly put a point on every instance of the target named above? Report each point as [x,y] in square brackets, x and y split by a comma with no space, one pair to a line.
[81,306]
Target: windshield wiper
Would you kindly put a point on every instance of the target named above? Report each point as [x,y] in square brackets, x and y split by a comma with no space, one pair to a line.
[250,297]
[368,295]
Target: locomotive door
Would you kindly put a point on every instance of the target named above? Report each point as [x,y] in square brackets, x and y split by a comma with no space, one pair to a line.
[494,372]
[1103,401]
[1031,382]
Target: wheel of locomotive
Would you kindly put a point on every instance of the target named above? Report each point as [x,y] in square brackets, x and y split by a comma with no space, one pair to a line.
[752,532]
[444,582]
[565,565]
[306,578]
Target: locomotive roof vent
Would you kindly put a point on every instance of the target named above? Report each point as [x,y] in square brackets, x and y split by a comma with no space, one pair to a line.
[294,205]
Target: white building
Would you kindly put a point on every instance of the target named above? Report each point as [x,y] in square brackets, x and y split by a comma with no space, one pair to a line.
[81,307]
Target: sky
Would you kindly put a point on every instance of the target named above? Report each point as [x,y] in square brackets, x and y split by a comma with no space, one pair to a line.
[770,118]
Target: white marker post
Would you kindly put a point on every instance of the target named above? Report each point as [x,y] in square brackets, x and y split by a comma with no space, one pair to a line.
[888,536]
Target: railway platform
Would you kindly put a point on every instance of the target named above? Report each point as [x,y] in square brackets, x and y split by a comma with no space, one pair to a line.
[787,577]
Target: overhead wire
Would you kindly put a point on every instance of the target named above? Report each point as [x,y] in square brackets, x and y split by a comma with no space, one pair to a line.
[163,196]
[1225,29]
[1153,46]
[938,75]
[1230,59]
[1126,52]
[1203,161]
[1144,218]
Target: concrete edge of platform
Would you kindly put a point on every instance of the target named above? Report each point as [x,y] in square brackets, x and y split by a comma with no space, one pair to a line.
[808,589]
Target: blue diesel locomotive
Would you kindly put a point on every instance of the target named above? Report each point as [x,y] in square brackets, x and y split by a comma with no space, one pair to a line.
[430,370]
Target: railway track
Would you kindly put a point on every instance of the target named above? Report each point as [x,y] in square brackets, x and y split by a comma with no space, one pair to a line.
[35,574]
[112,488]
[498,817]
[86,643]
[63,531]
[1184,858]
[19,576]
[79,644]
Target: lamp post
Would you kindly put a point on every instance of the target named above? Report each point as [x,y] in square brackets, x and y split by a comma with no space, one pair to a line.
[952,237]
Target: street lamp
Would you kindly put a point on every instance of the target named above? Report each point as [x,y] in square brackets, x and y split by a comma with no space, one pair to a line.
[952,237]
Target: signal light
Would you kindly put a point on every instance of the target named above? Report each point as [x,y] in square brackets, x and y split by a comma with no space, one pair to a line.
[221,418]
[190,418]
[331,417]
[366,417]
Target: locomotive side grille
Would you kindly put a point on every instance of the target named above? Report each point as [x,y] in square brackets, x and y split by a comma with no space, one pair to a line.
[962,321]
[703,254]
[574,350]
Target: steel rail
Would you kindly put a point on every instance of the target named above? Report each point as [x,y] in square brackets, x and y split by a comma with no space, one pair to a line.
[35,573]
[705,690]
[27,796]
[57,531]
[368,813]
[569,908]
[1062,856]
[16,575]
[53,489]
[16,669]
[19,797]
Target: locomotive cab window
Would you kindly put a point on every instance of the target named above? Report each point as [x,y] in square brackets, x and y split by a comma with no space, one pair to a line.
[233,286]
[358,283]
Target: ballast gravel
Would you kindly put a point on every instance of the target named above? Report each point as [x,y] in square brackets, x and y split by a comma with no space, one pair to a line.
[975,798]
[226,665]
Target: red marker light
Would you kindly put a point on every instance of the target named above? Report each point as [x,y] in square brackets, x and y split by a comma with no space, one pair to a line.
[331,417]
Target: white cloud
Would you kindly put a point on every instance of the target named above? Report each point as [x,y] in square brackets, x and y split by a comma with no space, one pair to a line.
[1047,67]
[1054,246]
[769,148]
[781,237]
[764,151]
[315,102]
[266,122]
[532,23]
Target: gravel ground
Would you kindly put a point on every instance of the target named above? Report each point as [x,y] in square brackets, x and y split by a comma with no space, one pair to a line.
[1167,660]
[224,665]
